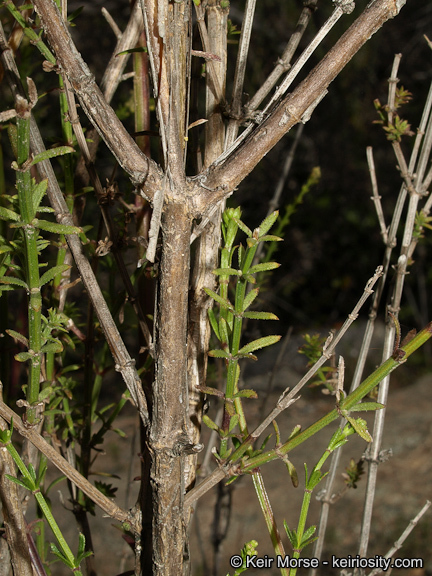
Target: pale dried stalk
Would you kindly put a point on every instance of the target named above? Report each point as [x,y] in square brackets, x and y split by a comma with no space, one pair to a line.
[284,63]
[295,70]
[376,197]
[364,350]
[116,65]
[239,76]
[373,452]
[400,541]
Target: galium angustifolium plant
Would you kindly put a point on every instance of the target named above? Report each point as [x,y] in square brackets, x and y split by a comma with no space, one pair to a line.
[237,263]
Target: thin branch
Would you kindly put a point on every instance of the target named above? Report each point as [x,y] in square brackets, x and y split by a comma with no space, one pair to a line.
[71,473]
[236,101]
[227,172]
[376,197]
[141,170]
[112,23]
[284,62]
[400,541]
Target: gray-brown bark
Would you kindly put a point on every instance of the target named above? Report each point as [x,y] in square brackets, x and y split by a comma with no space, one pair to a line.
[168,435]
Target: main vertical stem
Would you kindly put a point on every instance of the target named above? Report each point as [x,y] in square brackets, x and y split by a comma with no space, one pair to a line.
[168,438]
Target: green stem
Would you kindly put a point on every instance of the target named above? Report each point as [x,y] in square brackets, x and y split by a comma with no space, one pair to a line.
[351,400]
[44,507]
[24,187]
[30,33]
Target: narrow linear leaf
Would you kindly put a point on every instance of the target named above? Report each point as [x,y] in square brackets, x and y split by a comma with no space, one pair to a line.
[23,356]
[133,51]
[263,267]
[260,316]
[309,532]
[223,331]
[52,153]
[260,343]
[211,391]
[246,393]
[219,354]
[56,228]
[360,426]
[210,424]
[10,215]
[249,298]
[226,272]
[243,227]
[54,347]
[267,223]
[38,192]
[233,422]
[52,273]
[214,323]
[270,238]
[19,337]
[222,301]
[14,281]
[367,406]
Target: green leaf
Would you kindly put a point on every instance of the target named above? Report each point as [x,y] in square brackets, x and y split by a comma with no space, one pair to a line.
[214,323]
[292,535]
[133,50]
[24,482]
[210,424]
[233,422]
[19,337]
[360,426]
[38,192]
[260,316]
[222,301]
[52,153]
[226,272]
[56,228]
[367,406]
[246,393]
[249,298]
[292,472]
[223,331]
[309,533]
[52,273]
[267,223]
[260,343]
[14,281]
[23,356]
[61,556]
[243,227]
[270,238]
[6,214]
[219,354]
[263,267]
[53,347]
